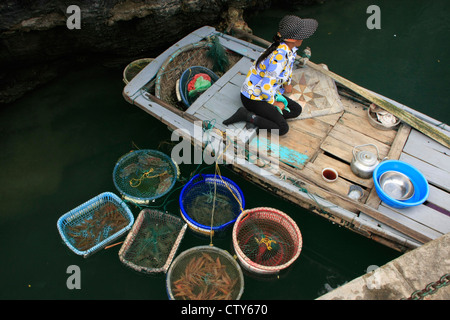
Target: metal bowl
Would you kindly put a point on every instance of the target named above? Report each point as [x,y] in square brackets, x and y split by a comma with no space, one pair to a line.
[396,185]
[355,192]
[372,117]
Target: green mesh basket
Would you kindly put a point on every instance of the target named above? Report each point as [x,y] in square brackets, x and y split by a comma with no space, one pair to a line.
[134,68]
[144,175]
[151,244]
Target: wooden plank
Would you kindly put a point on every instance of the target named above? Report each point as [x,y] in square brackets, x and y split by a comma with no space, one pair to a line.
[240,48]
[427,232]
[439,198]
[238,79]
[416,135]
[362,125]
[224,106]
[204,32]
[354,138]
[221,107]
[209,115]
[419,218]
[243,42]
[300,142]
[341,141]
[337,148]
[324,161]
[284,154]
[218,108]
[439,125]
[342,149]
[312,126]
[399,141]
[244,67]
[340,186]
[301,139]
[420,147]
[434,175]
[232,91]
[353,107]
[331,119]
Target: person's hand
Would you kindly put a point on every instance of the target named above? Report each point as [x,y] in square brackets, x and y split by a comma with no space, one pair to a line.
[287,88]
[279,104]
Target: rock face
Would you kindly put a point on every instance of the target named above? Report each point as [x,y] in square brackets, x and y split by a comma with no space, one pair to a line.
[36,43]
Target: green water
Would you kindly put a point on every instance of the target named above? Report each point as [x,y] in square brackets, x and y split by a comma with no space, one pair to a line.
[59,145]
[406,60]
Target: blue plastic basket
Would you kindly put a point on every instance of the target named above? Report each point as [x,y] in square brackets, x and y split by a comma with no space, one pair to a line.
[202,184]
[85,214]
[421,188]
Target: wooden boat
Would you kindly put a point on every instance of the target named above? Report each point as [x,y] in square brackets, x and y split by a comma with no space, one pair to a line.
[314,142]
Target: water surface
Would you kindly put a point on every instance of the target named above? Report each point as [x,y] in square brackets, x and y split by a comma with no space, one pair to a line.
[60,144]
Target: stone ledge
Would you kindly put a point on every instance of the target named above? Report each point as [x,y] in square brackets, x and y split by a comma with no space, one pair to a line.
[399,278]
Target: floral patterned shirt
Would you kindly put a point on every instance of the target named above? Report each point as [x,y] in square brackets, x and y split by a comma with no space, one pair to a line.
[263,82]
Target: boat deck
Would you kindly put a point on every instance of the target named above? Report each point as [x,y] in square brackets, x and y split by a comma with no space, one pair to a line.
[314,143]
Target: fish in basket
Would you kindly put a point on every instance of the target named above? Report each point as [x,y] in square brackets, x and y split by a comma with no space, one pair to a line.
[205,273]
[152,243]
[95,224]
[142,176]
[209,203]
[266,240]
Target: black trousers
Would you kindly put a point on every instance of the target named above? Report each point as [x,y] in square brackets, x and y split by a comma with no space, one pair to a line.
[268,115]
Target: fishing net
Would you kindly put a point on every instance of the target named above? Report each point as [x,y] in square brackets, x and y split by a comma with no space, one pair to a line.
[151,244]
[209,203]
[218,55]
[266,240]
[144,175]
[205,273]
[94,224]
[197,54]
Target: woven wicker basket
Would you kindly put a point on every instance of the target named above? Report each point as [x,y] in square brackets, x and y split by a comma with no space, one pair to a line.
[266,240]
[159,249]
